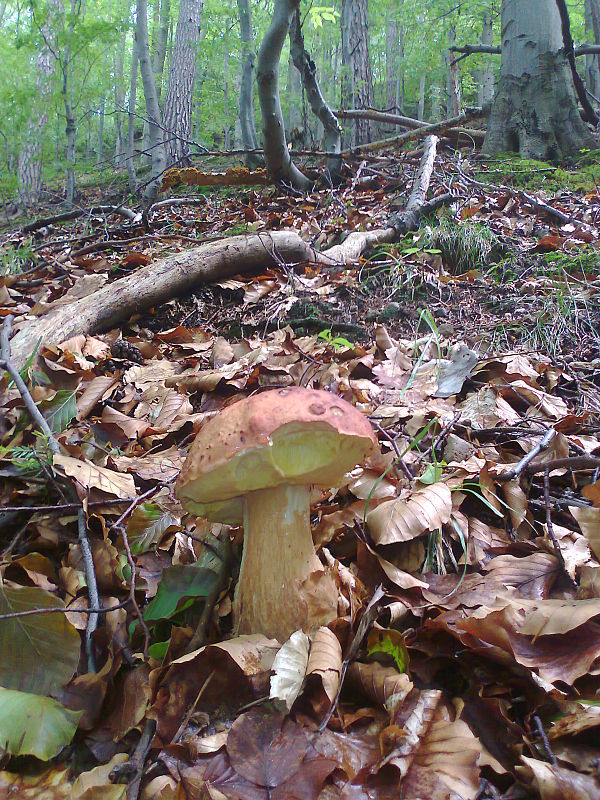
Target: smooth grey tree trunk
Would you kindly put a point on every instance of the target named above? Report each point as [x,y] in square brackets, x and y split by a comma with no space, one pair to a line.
[392,38]
[29,166]
[296,101]
[119,105]
[307,69]
[130,151]
[453,99]
[592,62]
[157,145]
[486,74]
[100,143]
[277,157]
[421,104]
[357,82]
[246,99]
[535,110]
[159,45]
[436,103]
[178,99]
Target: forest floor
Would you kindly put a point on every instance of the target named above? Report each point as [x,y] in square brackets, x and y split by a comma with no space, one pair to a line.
[473,345]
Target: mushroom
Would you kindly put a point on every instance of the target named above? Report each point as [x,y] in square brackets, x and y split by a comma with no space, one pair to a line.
[253,464]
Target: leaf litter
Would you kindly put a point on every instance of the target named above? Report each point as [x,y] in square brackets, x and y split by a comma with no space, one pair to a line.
[479,515]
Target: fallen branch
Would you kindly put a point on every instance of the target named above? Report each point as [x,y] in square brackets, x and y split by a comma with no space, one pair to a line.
[427,130]
[182,272]
[495,50]
[122,211]
[406,122]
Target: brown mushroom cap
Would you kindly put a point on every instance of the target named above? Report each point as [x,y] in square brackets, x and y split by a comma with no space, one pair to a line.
[284,436]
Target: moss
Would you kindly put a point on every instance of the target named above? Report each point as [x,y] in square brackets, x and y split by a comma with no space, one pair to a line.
[581,173]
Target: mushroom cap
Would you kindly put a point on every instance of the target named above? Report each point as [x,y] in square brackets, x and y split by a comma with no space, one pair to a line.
[283,436]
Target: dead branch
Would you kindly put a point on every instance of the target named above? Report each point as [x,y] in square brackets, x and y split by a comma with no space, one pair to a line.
[495,50]
[427,130]
[406,122]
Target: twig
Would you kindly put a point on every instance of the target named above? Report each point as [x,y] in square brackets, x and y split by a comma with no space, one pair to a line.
[59,507]
[551,532]
[401,462]
[188,716]
[139,758]
[34,412]
[572,462]
[544,739]
[132,581]
[92,584]
[366,622]
[527,459]
[66,610]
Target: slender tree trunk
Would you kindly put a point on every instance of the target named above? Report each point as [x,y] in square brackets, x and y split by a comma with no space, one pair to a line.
[246,102]
[29,169]
[296,101]
[486,75]
[535,110]
[100,145]
[436,103]
[160,45]
[119,105]
[592,62]
[178,100]
[277,156]
[392,39]
[157,146]
[130,163]
[357,82]
[453,102]
[226,128]
[308,72]
[421,105]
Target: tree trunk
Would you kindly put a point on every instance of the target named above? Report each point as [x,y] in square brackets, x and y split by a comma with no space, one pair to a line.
[246,103]
[453,102]
[421,106]
[295,101]
[392,38]
[357,83]
[119,106]
[277,157]
[159,45]
[29,168]
[486,74]
[100,145]
[592,62]
[152,110]
[535,111]
[332,133]
[130,163]
[436,102]
[178,100]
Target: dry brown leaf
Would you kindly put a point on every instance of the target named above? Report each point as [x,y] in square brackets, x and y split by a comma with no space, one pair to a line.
[425,510]
[100,388]
[325,662]
[588,520]
[382,685]
[89,476]
[557,783]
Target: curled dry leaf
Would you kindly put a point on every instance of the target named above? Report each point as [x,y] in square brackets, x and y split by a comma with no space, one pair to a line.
[425,510]
[325,662]
[289,669]
[555,783]
[384,686]
[588,520]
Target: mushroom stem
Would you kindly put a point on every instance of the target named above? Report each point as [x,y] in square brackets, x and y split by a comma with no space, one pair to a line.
[278,556]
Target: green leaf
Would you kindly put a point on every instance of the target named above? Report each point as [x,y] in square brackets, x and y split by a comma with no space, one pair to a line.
[34,725]
[388,646]
[179,583]
[59,410]
[432,474]
[38,653]
[147,526]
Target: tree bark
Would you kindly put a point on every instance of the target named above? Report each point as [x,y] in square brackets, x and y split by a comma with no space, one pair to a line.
[119,105]
[486,75]
[535,110]
[592,62]
[357,82]
[129,162]
[332,133]
[157,146]
[277,157]
[246,101]
[178,100]
[159,45]
[453,101]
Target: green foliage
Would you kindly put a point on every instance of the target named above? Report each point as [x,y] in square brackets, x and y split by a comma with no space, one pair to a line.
[34,725]
[580,174]
[179,587]
[464,245]
[337,342]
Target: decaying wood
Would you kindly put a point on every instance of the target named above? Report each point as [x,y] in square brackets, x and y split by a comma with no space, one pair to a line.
[192,176]
[160,281]
[427,130]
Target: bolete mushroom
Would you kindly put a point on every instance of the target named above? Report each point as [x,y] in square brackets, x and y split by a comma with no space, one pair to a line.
[254,464]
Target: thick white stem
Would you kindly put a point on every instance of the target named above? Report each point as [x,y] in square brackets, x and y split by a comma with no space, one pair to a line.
[278,556]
